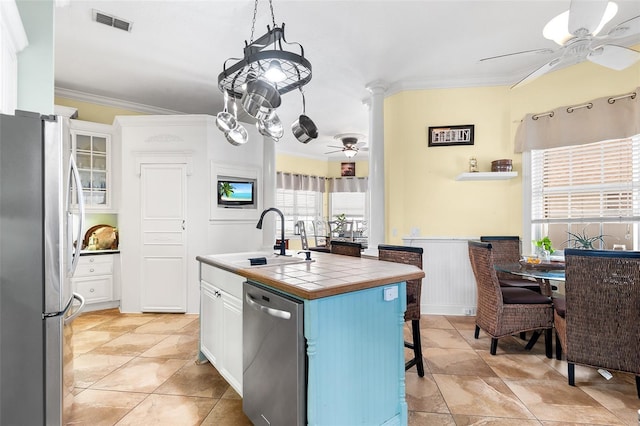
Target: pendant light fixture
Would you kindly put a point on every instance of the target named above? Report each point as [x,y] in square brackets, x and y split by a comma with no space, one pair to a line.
[266,71]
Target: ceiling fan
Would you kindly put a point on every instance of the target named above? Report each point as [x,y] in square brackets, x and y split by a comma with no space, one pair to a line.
[350,145]
[576,31]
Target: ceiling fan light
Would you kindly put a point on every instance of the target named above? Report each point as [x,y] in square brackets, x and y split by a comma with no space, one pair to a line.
[350,153]
[557,29]
[609,13]
[274,73]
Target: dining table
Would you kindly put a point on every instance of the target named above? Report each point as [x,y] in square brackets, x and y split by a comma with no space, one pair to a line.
[544,273]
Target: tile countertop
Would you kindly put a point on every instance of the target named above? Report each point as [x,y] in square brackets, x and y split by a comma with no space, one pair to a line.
[326,275]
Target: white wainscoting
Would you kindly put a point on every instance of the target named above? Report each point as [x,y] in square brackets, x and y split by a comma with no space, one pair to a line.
[449,287]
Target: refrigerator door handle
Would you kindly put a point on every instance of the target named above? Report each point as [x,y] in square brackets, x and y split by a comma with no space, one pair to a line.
[77,312]
[74,177]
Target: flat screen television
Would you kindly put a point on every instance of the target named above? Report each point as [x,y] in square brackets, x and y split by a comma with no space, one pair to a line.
[238,193]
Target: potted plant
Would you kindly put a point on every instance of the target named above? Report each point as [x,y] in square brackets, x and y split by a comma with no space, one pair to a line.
[544,244]
[341,220]
[583,241]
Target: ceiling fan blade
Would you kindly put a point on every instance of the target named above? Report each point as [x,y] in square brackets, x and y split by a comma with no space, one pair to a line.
[334,146]
[585,15]
[614,57]
[626,28]
[524,52]
[538,72]
[333,152]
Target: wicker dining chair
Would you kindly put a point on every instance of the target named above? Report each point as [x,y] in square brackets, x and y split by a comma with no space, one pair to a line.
[506,250]
[347,248]
[598,322]
[503,311]
[410,256]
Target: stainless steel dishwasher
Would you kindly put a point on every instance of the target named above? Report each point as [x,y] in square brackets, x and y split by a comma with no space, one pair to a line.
[274,357]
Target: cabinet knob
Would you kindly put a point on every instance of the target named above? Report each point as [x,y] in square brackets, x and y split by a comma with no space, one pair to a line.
[91,259]
[92,290]
[91,270]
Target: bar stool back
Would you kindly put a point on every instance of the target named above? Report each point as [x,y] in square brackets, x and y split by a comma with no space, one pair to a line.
[410,256]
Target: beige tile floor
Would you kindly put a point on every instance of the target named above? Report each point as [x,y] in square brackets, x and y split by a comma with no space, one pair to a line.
[139,370]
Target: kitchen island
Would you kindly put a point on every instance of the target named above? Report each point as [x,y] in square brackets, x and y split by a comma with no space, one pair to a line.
[353,326]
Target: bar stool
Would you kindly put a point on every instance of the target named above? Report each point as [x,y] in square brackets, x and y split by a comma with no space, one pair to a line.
[410,256]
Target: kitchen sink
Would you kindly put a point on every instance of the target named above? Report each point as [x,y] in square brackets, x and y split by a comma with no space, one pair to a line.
[259,259]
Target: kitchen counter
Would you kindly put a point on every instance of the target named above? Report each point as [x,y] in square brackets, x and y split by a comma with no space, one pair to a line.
[353,328]
[325,275]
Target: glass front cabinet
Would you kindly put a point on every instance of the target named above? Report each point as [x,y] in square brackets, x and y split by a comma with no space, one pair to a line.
[92,152]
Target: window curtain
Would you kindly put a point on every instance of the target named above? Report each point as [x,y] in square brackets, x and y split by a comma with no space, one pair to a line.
[297,182]
[350,184]
[611,117]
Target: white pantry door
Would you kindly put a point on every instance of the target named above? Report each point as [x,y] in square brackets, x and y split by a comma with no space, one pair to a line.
[164,246]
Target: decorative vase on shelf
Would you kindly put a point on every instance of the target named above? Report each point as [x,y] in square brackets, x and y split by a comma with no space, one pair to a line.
[473,165]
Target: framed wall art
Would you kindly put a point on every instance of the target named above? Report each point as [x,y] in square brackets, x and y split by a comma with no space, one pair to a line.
[451,135]
[348,169]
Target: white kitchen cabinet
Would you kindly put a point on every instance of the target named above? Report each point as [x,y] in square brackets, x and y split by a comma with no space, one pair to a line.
[91,148]
[94,280]
[221,322]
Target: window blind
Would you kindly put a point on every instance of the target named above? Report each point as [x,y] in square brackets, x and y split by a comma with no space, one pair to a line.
[352,204]
[582,183]
[298,205]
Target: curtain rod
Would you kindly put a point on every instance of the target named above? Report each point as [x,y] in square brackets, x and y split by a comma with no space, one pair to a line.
[588,105]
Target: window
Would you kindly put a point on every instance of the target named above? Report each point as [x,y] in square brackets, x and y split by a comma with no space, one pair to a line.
[348,197]
[591,189]
[300,198]
[298,205]
[351,204]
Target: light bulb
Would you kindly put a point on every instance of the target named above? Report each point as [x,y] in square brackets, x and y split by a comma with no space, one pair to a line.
[350,153]
[274,73]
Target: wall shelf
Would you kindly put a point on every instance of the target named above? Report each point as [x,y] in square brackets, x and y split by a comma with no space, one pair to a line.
[487,176]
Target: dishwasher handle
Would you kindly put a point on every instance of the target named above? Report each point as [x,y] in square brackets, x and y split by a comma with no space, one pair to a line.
[267,310]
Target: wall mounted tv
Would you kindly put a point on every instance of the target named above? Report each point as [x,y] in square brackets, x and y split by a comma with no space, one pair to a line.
[236,192]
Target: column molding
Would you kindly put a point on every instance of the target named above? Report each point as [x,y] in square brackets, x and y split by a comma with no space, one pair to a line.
[377,214]
[268,190]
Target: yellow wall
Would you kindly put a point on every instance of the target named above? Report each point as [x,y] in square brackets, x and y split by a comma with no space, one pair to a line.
[362,168]
[94,112]
[421,192]
[313,167]
[301,165]
[420,187]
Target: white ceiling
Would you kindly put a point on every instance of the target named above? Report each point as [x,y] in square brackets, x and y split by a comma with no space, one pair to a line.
[173,55]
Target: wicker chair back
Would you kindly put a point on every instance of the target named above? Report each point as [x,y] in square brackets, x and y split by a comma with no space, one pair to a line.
[504,250]
[500,319]
[603,309]
[410,256]
[346,248]
[488,287]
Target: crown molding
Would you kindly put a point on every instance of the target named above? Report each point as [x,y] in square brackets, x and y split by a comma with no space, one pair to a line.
[154,120]
[450,83]
[111,102]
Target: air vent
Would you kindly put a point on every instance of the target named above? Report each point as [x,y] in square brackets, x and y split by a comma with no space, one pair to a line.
[111,21]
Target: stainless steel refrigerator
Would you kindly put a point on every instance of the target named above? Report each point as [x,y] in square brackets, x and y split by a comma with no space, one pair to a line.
[37,259]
